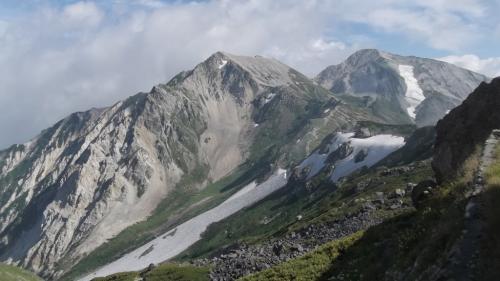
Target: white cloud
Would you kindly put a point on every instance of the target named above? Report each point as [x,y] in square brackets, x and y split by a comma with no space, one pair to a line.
[488,66]
[83,55]
[442,24]
[82,13]
[56,60]
[151,3]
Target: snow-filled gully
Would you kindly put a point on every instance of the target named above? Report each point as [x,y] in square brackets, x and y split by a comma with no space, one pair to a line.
[414,95]
[175,241]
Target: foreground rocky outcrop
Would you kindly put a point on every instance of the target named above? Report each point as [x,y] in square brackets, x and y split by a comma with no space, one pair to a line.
[463,257]
[464,130]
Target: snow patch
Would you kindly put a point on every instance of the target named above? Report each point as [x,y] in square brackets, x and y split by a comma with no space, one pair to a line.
[414,94]
[269,97]
[376,147]
[222,64]
[172,243]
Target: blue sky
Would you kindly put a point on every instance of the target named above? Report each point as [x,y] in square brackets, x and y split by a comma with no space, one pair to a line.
[57,57]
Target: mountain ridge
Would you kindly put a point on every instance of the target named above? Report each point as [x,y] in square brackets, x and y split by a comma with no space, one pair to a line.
[93,175]
[415,90]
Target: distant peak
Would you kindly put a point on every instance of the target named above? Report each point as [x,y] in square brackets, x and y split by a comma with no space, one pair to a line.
[266,71]
[366,55]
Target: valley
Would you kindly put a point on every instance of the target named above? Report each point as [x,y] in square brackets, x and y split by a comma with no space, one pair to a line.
[245,168]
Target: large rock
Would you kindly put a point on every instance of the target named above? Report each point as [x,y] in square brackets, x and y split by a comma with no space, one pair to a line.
[422,191]
[464,129]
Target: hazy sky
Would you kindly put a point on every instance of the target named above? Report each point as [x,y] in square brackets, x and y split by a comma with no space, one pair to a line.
[57,57]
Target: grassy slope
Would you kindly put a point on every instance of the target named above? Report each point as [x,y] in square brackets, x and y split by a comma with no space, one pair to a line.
[142,232]
[277,214]
[164,272]
[388,249]
[489,257]
[309,267]
[11,273]
[408,246]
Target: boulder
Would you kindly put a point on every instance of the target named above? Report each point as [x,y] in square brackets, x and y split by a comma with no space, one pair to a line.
[422,191]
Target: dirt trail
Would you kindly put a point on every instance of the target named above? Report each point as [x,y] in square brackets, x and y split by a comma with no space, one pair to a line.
[464,254]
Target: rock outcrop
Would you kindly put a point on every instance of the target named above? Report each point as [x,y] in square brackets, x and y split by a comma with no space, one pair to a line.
[464,130]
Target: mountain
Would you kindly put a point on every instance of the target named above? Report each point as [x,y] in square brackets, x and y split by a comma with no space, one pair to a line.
[243,142]
[95,174]
[400,89]
[382,223]
[11,273]
[464,129]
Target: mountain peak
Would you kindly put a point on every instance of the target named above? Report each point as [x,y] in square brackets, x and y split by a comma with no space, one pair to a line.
[413,89]
[265,71]
[365,56]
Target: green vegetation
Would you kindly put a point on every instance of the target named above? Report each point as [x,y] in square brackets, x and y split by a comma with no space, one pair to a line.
[12,273]
[312,266]
[396,129]
[258,222]
[414,241]
[489,258]
[164,272]
[493,172]
[405,245]
[348,198]
[191,201]
[320,202]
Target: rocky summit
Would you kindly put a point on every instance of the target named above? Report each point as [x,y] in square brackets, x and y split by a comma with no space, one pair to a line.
[400,89]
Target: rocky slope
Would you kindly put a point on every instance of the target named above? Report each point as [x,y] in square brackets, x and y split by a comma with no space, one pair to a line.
[464,130]
[400,89]
[93,174]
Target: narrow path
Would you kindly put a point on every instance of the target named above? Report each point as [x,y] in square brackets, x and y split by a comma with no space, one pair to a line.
[464,256]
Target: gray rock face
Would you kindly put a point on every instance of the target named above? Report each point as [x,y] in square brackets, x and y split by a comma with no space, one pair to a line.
[465,129]
[91,175]
[401,89]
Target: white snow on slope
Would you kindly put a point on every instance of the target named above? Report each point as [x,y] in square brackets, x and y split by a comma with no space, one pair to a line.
[376,147]
[315,161]
[175,241]
[269,97]
[414,94]
[222,64]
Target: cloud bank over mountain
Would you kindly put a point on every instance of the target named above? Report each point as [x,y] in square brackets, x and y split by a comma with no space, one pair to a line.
[92,53]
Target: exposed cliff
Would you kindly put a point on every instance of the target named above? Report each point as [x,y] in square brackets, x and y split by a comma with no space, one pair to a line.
[465,128]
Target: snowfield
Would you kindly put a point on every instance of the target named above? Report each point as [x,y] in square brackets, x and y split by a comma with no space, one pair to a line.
[414,94]
[175,241]
[376,148]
